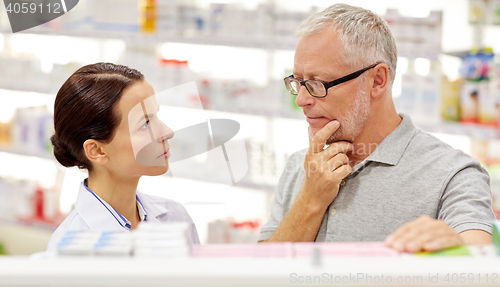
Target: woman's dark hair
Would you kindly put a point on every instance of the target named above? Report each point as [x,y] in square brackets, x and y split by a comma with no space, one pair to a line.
[83,109]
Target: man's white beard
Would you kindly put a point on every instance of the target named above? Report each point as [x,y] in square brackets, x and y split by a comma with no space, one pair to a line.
[354,120]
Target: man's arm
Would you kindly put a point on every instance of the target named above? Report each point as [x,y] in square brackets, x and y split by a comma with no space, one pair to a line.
[465,205]
[301,223]
[475,237]
[324,170]
[429,234]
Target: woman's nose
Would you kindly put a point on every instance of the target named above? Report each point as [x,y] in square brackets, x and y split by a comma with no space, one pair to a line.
[164,132]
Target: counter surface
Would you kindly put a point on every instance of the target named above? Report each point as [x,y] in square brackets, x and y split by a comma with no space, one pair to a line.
[368,271]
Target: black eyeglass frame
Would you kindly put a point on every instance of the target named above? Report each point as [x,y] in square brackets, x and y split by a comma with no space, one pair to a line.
[328,85]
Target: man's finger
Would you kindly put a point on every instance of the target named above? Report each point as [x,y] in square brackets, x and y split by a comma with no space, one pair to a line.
[402,242]
[338,160]
[424,233]
[342,171]
[417,243]
[442,243]
[400,232]
[338,147]
[406,228]
[317,143]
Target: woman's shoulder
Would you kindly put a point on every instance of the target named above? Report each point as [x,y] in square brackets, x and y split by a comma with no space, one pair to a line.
[72,222]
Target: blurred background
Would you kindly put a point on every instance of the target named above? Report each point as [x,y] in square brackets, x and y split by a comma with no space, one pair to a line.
[237,53]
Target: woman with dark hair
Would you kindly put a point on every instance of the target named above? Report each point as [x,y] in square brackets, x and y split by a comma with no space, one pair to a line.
[93,132]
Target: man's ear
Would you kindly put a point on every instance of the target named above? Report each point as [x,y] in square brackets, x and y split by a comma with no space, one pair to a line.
[380,80]
[94,152]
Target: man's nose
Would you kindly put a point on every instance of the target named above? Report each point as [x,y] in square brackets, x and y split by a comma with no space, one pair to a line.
[304,98]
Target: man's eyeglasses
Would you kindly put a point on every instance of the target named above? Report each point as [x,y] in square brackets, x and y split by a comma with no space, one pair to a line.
[319,88]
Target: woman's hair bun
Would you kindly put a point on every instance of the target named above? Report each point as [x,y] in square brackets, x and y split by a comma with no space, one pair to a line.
[62,153]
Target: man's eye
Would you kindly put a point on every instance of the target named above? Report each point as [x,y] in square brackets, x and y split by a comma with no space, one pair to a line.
[144,126]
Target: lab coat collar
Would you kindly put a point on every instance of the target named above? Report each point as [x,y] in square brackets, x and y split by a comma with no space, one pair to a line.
[97,214]
[100,216]
[143,215]
[155,209]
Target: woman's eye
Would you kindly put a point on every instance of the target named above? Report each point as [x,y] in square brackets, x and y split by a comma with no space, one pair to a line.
[144,126]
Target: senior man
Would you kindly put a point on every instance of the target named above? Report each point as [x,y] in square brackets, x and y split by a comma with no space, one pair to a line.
[369,174]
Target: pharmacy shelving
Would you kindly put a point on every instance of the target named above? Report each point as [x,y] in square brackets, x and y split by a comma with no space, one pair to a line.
[471,130]
[47,89]
[284,43]
[476,131]
[11,150]
[32,222]
[267,43]
[412,35]
[255,41]
[245,182]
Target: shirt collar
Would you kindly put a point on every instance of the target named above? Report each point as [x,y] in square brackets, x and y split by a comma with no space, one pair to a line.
[99,215]
[391,149]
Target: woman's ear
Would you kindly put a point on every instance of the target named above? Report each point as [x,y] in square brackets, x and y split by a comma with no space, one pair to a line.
[94,152]
[380,80]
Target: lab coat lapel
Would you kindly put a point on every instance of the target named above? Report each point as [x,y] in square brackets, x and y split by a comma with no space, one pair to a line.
[155,210]
[94,213]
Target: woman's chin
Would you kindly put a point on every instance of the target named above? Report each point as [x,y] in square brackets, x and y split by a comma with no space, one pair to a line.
[157,170]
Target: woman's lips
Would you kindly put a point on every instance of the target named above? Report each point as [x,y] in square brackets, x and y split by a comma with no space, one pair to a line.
[165,155]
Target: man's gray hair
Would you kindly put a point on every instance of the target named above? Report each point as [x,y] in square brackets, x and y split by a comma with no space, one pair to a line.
[365,36]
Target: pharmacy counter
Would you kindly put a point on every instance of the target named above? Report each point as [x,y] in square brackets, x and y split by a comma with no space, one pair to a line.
[304,271]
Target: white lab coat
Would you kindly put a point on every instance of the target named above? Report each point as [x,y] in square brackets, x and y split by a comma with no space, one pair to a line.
[90,214]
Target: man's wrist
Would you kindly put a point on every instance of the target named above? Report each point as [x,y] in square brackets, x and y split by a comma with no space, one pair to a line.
[311,206]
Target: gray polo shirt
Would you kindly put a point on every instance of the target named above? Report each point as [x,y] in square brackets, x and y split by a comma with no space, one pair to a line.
[409,174]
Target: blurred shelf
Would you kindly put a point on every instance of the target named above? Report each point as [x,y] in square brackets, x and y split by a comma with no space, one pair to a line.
[33,222]
[45,155]
[257,186]
[23,87]
[135,38]
[245,182]
[476,131]
[289,114]
[458,54]
[261,112]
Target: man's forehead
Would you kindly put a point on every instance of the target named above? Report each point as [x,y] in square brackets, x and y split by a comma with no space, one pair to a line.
[323,69]
[313,73]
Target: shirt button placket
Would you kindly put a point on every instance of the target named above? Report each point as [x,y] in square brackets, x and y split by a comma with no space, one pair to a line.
[342,183]
[332,219]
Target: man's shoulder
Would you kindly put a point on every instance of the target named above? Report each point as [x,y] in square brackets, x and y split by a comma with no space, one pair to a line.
[429,148]
[295,162]
[293,175]
[297,157]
